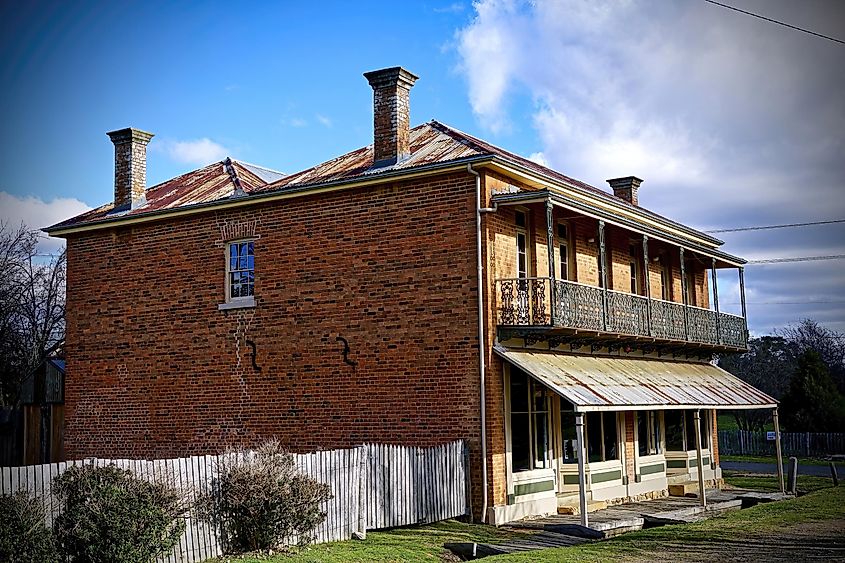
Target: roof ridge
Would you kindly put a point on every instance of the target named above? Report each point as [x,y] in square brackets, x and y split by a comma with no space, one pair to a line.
[239,161]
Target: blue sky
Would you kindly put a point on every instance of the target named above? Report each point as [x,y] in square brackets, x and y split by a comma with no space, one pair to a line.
[731,121]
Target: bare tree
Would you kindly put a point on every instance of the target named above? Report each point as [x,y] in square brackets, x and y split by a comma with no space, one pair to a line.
[827,343]
[32,307]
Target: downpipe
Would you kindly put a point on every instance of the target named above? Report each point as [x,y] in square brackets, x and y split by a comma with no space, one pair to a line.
[481,341]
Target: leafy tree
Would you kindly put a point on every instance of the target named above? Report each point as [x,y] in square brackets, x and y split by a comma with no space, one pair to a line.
[769,366]
[813,404]
[32,308]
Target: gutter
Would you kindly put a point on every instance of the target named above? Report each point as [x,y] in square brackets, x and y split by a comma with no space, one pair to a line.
[482,368]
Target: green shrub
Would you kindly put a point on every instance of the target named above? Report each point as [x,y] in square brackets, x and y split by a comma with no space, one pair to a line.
[24,536]
[262,502]
[109,514]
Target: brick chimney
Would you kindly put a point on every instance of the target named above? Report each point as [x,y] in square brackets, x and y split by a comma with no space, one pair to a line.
[626,188]
[391,114]
[130,166]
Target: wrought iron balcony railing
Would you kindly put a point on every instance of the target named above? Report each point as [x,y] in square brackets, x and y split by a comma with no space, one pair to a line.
[528,302]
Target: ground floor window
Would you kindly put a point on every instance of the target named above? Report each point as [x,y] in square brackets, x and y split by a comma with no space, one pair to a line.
[568,435]
[648,433]
[680,430]
[530,443]
[602,436]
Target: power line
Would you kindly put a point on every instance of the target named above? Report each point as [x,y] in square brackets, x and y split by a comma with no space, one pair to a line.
[786,302]
[764,227]
[795,27]
[797,259]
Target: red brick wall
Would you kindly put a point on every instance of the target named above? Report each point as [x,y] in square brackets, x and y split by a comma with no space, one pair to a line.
[630,453]
[155,370]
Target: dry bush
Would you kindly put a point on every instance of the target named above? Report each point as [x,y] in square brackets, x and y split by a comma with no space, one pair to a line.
[262,502]
[24,537]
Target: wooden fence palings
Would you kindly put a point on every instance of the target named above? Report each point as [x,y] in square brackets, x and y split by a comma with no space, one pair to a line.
[399,486]
[799,444]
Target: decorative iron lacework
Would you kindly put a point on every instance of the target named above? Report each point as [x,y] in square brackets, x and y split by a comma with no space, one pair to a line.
[523,301]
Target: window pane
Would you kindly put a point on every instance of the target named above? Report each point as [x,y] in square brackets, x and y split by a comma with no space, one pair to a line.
[570,438]
[611,443]
[562,231]
[541,440]
[690,424]
[674,430]
[594,436]
[233,250]
[657,446]
[564,262]
[250,262]
[521,256]
[519,391]
[642,433]
[705,425]
[520,219]
[520,442]
[540,397]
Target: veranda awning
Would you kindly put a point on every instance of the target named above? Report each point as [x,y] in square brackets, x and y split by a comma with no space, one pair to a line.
[593,383]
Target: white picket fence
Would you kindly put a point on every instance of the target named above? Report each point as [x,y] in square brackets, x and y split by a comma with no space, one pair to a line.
[373,486]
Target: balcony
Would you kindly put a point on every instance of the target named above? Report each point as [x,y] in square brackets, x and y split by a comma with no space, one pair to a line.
[590,310]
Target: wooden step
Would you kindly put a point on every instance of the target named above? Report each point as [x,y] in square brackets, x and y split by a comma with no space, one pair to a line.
[592,506]
[687,489]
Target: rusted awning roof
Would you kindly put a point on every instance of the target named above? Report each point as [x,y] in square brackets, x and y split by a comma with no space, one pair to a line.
[594,383]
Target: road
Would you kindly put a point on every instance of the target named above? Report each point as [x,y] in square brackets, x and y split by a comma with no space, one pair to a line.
[771,468]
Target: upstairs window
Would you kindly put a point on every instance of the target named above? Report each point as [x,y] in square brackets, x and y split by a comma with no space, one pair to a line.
[563,251]
[521,244]
[634,266]
[665,282]
[691,288]
[240,272]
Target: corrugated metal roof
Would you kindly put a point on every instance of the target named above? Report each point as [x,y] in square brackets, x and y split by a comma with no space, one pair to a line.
[613,383]
[431,143]
[206,184]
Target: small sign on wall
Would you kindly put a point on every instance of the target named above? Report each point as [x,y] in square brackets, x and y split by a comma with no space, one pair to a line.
[770,436]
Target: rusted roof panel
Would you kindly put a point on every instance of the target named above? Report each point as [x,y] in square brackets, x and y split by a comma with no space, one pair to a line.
[431,143]
[206,184]
[614,383]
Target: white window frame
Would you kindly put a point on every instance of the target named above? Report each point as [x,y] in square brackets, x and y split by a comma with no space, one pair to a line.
[564,243]
[240,301]
[527,251]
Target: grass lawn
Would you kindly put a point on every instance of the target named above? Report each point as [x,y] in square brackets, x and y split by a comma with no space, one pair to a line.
[821,510]
[806,483]
[771,459]
[726,537]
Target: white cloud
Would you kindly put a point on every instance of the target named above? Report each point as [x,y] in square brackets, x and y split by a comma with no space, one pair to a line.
[323,120]
[539,158]
[198,151]
[36,213]
[297,122]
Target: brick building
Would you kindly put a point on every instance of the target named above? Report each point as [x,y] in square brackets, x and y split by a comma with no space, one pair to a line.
[425,288]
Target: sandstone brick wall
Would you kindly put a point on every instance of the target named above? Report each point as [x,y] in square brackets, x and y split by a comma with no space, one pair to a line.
[154,369]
